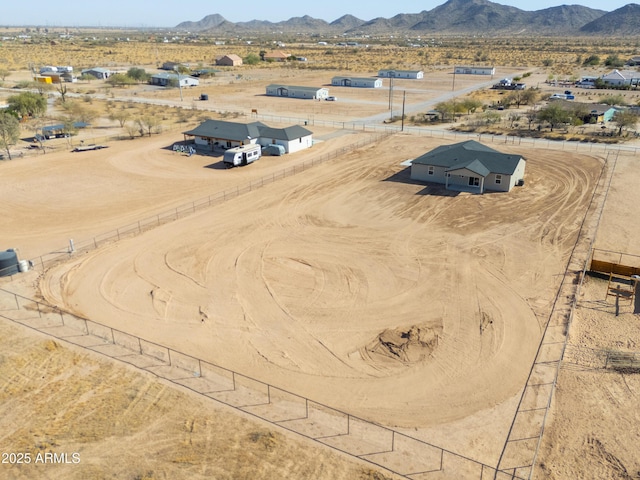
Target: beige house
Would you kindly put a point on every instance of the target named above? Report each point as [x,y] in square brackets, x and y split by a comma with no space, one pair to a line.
[231,60]
[276,56]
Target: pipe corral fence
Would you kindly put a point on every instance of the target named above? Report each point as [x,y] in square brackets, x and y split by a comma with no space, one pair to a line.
[387,448]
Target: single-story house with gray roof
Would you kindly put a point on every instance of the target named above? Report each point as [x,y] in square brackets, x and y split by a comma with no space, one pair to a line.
[313,93]
[221,135]
[166,79]
[471,167]
[98,72]
[292,138]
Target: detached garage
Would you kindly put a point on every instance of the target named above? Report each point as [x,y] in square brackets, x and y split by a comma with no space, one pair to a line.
[470,167]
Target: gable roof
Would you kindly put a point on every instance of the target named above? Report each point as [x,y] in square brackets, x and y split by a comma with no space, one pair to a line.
[289,133]
[471,155]
[297,88]
[227,130]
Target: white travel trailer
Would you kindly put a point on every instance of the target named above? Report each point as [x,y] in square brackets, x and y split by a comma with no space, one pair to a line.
[242,155]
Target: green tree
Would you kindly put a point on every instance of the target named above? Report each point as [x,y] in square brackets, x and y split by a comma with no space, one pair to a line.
[120,116]
[251,59]
[138,74]
[149,124]
[27,104]
[4,73]
[613,100]
[120,80]
[553,114]
[470,105]
[625,119]
[614,61]
[78,112]
[591,60]
[9,131]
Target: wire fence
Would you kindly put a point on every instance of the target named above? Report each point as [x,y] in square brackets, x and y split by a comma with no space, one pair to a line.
[524,439]
[45,260]
[379,445]
[384,447]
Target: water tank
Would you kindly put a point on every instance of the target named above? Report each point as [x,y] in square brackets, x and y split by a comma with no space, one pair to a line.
[8,263]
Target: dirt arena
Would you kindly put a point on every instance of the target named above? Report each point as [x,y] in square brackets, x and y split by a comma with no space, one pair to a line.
[405,304]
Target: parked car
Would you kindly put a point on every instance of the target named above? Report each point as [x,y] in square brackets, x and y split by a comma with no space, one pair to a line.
[331,99]
[273,149]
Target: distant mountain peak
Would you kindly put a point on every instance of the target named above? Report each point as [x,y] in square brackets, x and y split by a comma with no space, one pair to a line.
[461,17]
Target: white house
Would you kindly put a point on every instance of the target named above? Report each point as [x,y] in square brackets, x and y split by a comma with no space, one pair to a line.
[469,166]
[220,135]
[465,70]
[166,79]
[621,78]
[413,74]
[364,82]
[99,73]
[313,93]
[292,138]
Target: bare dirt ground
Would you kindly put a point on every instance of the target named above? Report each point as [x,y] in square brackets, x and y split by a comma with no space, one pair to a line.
[347,283]
[593,430]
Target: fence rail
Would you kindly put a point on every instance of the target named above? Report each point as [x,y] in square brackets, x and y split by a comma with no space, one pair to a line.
[382,446]
[47,259]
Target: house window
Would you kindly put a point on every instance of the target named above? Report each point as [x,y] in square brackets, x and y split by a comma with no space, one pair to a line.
[474,181]
[430,171]
[498,179]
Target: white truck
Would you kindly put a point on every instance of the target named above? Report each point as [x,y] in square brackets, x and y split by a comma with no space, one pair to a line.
[242,155]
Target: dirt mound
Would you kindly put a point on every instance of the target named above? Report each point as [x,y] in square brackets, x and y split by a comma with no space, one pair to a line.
[408,346]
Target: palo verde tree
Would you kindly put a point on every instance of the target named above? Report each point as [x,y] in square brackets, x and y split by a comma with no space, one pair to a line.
[625,119]
[138,74]
[27,104]
[553,114]
[9,131]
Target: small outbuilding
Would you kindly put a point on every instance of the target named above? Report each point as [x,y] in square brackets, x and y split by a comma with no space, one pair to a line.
[411,74]
[231,60]
[363,82]
[471,167]
[312,93]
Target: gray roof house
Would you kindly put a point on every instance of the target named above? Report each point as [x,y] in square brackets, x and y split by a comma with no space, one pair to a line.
[165,79]
[292,138]
[470,166]
[220,135]
[98,72]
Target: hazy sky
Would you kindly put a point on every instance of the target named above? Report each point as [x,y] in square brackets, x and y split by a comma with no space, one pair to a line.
[168,13]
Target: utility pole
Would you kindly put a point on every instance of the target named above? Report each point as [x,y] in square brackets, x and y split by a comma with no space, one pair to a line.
[390,91]
[404,96]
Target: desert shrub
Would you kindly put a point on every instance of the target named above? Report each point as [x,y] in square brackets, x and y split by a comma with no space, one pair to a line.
[591,60]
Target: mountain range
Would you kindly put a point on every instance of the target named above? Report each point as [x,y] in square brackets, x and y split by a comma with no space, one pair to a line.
[467,17]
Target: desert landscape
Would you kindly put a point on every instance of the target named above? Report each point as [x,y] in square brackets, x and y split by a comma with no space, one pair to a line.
[327,274]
